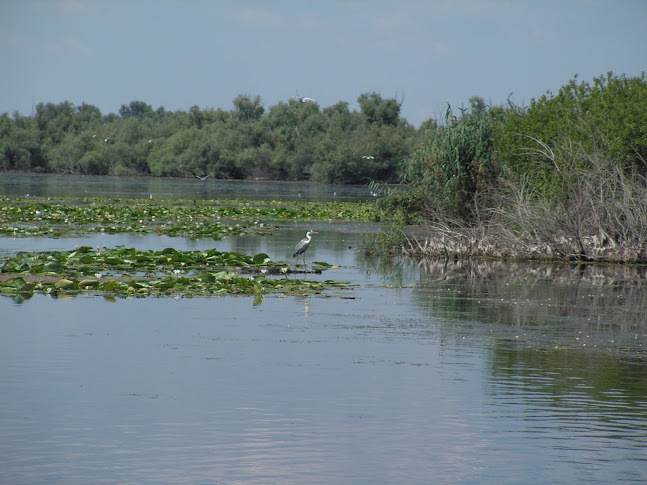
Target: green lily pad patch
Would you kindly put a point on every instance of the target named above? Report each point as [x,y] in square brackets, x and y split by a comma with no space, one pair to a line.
[126,272]
[64,217]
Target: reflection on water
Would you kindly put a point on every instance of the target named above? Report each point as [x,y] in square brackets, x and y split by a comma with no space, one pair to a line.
[579,402]
[19,185]
[564,306]
[435,372]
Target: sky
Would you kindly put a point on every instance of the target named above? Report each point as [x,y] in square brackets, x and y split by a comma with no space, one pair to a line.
[427,54]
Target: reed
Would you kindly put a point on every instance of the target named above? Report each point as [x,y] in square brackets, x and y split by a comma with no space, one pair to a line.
[596,212]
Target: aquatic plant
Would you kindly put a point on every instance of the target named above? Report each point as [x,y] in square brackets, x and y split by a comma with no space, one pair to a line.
[64,217]
[122,272]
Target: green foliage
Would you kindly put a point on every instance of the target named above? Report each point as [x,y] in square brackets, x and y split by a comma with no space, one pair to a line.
[210,219]
[447,164]
[136,109]
[378,110]
[387,242]
[293,140]
[20,144]
[247,108]
[610,114]
[127,272]
[455,161]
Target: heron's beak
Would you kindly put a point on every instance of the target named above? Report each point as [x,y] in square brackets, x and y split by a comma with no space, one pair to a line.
[315,232]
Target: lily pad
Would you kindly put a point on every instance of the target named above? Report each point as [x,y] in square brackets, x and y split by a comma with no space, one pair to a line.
[65,284]
[83,284]
[261,258]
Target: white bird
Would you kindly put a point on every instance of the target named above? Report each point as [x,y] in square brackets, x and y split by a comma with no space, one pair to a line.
[303,245]
[305,100]
[369,157]
[203,178]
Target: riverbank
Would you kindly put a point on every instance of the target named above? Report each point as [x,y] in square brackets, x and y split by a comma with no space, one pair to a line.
[499,243]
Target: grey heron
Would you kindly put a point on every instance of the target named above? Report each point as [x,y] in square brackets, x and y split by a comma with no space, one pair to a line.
[302,246]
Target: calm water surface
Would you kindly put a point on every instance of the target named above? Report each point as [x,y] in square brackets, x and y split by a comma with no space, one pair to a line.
[20,185]
[431,373]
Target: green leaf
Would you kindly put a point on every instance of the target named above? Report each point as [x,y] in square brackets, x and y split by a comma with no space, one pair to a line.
[110,285]
[88,258]
[65,284]
[53,266]
[260,258]
[88,284]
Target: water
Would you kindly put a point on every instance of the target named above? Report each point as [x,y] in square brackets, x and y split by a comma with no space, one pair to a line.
[458,373]
[20,185]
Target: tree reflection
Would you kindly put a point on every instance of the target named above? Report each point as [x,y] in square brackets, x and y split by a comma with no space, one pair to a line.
[565,341]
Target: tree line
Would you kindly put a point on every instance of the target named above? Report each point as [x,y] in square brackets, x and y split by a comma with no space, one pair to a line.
[294,140]
[447,163]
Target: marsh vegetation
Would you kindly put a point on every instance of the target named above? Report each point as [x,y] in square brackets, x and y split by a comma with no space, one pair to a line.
[564,178]
[119,272]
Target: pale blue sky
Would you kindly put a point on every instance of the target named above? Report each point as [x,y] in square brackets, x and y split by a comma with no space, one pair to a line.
[181,53]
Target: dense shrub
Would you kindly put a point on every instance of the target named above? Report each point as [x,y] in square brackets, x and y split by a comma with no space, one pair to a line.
[295,140]
[609,115]
[449,169]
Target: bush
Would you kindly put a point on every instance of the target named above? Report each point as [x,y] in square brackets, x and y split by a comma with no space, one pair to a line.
[600,212]
[452,166]
[609,115]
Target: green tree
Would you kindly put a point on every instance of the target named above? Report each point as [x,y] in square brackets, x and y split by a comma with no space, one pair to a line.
[137,109]
[610,113]
[20,144]
[247,108]
[379,110]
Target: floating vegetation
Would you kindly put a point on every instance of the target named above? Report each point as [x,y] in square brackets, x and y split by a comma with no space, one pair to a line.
[47,217]
[124,272]
[121,272]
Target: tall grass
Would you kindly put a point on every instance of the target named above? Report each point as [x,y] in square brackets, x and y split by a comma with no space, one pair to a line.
[446,173]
